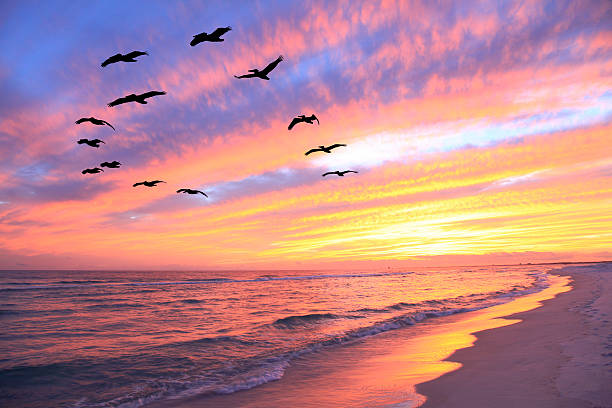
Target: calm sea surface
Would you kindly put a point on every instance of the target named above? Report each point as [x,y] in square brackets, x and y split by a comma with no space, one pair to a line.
[123,339]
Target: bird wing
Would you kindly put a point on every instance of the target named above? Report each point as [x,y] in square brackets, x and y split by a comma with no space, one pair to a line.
[294,122]
[104,164]
[138,184]
[157,181]
[119,101]
[111,60]
[135,54]
[329,172]
[335,145]
[244,76]
[201,192]
[198,38]
[152,93]
[312,151]
[315,118]
[106,123]
[271,65]
[350,171]
[78,122]
[97,141]
[181,190]
[220,31]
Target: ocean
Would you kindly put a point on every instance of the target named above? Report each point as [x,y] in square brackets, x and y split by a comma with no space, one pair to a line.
[125,338]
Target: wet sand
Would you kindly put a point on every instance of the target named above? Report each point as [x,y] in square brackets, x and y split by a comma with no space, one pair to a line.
[559,355]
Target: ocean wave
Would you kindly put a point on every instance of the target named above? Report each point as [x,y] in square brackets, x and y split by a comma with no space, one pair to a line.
[29,286]
[302,320]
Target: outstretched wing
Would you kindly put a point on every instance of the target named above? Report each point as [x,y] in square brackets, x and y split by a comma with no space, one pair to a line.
[350,171]
[98,141]
[152,93]
[294,122]
[181,190]
[135,54]
[198,38]
[336,145]
[157,181]
[138,184]
[312,151]
[328,173]
[78,122]
[220,31]
[272,65]
[315,118]
[111,60]
[201,192]
[106,123]
[244,76]
[119,101]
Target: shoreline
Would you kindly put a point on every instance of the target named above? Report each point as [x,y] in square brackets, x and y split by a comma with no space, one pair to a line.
[384,370]
[557,355]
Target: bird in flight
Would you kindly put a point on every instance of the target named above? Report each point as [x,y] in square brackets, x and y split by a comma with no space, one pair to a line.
[92,143]
[94,121]
[129,57]
[263,74]
[303,118]
[190,191]
[92,171]
[339,173]
[327,149]
[111,165]
[215,36]
[136,98]
[148,183]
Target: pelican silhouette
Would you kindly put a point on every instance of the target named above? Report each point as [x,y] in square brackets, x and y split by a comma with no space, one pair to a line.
[94,121]
[190,191]
[215,36]
[322,148]
[303,118]
[136,98]
[92,171]
[263,74]
[129,57]
[148,183]
[92,143]
[339,173]
[111,165]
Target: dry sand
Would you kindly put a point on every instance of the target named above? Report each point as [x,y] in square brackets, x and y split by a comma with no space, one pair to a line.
[559,355]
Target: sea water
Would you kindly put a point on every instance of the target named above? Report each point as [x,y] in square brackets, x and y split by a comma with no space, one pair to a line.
[125,338]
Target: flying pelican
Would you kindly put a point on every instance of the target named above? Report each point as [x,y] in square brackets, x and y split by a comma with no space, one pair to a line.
[190,191]
[303,118]
[339,173]
[263,74]
[94,121]
[215,36]
[92,171]
[327,149]
[111,165]
[136,98]
[148,183]
[92,143]
[129,57]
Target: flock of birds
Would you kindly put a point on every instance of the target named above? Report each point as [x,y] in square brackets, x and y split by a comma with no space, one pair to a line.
[215,36]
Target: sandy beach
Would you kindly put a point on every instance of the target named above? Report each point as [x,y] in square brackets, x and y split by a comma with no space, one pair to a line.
[559,355]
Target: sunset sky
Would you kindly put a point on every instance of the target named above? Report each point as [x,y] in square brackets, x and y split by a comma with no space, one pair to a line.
[481,131]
